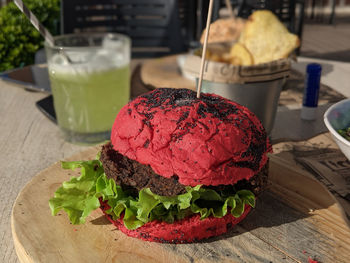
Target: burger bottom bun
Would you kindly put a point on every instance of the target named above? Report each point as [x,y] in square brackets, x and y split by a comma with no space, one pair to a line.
[187,230]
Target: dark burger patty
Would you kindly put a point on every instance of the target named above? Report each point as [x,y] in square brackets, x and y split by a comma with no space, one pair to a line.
[133,176]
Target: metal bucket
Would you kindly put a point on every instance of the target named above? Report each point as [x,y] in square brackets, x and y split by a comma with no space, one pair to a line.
[260,97]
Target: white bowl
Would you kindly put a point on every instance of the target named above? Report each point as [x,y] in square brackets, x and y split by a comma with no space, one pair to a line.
[181,59]
[338,117]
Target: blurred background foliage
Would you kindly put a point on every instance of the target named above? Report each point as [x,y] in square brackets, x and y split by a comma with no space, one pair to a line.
[19,40]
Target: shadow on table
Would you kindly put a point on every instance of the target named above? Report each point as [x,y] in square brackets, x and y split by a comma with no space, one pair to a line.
[270,212]
[102,220]
[326,68]
[343,56]
[301,130]
[272,226]
[268,208]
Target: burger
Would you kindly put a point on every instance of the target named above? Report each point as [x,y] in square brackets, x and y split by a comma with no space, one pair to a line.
[177,169]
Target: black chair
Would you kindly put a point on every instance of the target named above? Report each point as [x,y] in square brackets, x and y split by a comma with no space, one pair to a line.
[193,16]
[188,18]
[332,14]
[153,25]
[202,14]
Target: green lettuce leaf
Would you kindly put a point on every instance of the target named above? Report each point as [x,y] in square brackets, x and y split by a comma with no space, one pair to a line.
[80,195]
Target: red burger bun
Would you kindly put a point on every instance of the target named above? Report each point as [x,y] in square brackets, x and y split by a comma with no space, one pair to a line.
[187,230]
[207,141]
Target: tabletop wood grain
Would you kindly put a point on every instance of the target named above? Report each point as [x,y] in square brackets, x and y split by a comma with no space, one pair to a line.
[295,219]
[29,142]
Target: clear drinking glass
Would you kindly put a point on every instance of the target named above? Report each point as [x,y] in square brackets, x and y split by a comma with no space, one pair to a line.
[90,82]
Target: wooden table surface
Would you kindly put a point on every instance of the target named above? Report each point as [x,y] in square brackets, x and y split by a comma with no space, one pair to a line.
[29,143]
[274,231]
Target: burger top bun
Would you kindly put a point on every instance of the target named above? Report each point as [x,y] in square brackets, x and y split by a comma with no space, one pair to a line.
[208,141]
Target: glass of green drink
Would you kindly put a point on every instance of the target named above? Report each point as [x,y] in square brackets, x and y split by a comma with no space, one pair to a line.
[90,82]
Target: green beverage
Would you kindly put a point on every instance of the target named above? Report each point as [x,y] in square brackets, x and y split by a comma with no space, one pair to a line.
[89,75]
[89,102]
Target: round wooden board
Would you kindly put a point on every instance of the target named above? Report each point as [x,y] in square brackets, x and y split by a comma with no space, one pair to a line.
[40,237]
[165,73]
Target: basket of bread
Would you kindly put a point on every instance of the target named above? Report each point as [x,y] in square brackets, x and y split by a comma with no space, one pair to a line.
[252,66]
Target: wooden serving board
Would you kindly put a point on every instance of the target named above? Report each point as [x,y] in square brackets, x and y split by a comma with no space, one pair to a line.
[165,72]
[294,221]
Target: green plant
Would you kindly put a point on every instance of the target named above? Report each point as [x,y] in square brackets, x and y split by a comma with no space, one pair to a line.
[19,40]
